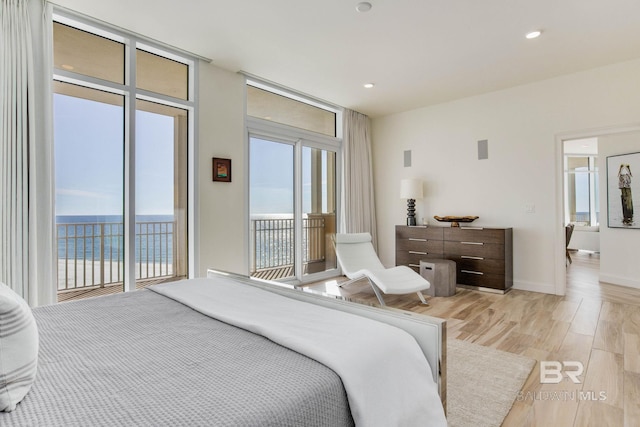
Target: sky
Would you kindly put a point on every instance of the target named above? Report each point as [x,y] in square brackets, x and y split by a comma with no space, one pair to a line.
[271,178]
[88,139]
[89,163]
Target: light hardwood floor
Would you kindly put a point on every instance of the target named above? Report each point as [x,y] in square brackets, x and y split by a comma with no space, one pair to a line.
[597,324]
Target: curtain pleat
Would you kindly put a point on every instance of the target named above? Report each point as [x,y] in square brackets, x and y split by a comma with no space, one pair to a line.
[25,146]
[359,213]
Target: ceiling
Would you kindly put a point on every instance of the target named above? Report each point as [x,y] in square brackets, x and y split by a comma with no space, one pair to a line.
[416,52]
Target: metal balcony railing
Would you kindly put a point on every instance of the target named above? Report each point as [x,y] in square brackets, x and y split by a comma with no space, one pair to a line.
[273,242]
[92,254]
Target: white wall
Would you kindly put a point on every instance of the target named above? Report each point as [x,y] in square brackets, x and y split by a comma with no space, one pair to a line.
[619,248]
[522,125]
[221,233]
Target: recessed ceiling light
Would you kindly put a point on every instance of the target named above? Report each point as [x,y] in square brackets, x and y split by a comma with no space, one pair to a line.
[363,7]
[533,34]
[369,85]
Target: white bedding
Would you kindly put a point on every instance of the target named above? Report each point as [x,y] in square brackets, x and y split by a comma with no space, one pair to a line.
[386,376]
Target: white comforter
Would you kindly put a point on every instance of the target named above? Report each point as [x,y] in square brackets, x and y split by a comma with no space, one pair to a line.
[387,378]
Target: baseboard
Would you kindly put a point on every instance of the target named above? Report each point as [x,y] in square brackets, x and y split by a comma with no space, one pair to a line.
[544,288]
[620,281]
[551,289]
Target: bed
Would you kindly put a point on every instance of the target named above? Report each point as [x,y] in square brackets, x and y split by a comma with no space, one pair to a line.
[230,351]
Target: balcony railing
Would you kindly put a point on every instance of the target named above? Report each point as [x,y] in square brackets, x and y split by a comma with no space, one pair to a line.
[92,254]
[273,242]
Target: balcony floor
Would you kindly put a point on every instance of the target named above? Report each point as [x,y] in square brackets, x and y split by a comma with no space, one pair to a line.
[274,273]
[70,295]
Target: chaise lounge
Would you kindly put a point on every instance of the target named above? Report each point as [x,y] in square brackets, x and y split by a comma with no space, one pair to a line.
[358,260]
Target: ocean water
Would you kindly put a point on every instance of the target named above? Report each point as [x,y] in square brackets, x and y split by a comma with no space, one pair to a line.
[92,237]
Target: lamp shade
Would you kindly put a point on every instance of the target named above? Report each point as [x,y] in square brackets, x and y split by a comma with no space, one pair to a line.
[411,189]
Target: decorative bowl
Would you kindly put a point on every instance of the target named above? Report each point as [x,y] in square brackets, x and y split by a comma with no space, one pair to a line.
[455,220]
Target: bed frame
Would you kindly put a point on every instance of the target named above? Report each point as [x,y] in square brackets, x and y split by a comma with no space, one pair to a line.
[429,332]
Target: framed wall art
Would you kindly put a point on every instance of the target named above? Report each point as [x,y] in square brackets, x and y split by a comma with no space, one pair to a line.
[623,191]
[221,170]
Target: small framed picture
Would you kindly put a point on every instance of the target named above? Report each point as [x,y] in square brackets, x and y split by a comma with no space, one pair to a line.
[221,169]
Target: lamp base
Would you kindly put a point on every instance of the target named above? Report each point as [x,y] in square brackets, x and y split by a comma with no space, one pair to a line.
[411,212]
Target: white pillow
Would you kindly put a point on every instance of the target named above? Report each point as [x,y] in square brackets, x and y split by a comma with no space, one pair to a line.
[18,348]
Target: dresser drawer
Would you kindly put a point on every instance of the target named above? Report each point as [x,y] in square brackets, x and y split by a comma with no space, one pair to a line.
[413,259]
[481,265]
[471,234]
[419,233]
[476,249]
[422,246]
[493,281]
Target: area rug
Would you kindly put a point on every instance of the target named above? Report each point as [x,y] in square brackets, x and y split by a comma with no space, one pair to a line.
[482,383]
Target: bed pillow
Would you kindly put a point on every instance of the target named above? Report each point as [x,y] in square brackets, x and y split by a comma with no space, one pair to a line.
[18,348]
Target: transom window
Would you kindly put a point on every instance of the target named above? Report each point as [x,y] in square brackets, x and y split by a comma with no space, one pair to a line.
[271,106]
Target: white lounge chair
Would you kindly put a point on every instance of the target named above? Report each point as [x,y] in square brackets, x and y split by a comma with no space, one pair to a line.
[358,260]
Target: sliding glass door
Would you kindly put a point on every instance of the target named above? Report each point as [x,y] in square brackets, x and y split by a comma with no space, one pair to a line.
[272,202]
[293,146]
[161,196]
[89,125]
[293,209]
[318,209]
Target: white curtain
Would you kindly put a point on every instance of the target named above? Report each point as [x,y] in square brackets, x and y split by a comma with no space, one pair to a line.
[359,213]
[26,171]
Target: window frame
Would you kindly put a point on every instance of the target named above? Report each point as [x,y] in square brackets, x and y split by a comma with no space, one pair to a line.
[299,138]
[131,94]
[593,177]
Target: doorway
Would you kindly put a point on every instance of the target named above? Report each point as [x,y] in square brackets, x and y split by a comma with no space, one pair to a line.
[582,211]
[614,265]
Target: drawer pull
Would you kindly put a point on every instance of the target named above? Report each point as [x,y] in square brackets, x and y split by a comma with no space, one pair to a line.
[471,228]
[414,265]
[413,239]
[472,243]
[417,253]
[472,272]
[470,257]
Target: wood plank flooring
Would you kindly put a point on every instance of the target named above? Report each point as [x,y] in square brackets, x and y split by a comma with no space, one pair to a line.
[597,324]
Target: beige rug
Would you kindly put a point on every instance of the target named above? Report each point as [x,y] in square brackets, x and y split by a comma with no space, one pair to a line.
[482,383]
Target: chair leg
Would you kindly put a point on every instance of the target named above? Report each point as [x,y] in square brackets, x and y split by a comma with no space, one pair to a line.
[424,301]
[377,292]
[348,282]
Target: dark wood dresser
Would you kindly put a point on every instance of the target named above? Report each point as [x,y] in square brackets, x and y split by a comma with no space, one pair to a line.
[483,256]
